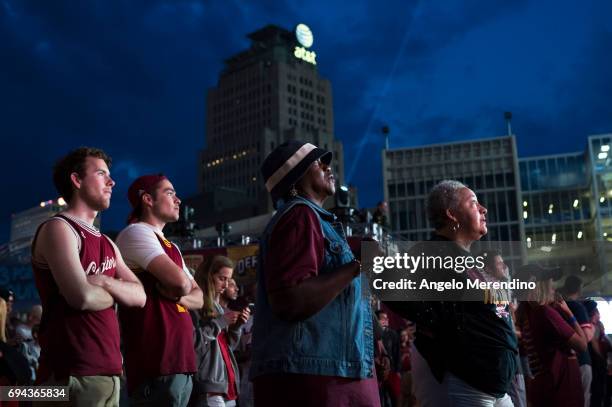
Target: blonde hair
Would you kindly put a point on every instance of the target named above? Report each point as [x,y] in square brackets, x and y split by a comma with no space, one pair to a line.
[3,316]
[543,294]
[204,277]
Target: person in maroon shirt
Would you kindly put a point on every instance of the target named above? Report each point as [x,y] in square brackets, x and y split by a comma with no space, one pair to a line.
[158,339]
[550,336]
[80,275]
[299,284]
[298,237]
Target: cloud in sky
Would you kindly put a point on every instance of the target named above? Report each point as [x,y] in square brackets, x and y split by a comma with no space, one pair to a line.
[131,77]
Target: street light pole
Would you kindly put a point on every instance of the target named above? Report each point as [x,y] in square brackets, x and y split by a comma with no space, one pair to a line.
[385,132]
[508,117]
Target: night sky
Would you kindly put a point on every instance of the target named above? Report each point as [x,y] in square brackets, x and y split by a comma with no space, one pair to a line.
[131,77]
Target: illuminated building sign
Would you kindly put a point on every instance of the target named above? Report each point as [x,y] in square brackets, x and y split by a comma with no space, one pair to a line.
[304,36]
[305,55]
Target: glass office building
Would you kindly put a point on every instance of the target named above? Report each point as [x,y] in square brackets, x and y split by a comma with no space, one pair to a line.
[489,167]
[557,198]
[558,206]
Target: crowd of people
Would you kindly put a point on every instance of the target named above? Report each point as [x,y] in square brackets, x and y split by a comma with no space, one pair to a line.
[128,322]
[19,347]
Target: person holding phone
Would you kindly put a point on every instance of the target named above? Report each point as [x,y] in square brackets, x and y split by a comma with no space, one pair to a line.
[217,334]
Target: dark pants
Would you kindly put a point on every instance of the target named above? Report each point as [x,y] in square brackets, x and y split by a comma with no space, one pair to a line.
[599,383]
[167,391]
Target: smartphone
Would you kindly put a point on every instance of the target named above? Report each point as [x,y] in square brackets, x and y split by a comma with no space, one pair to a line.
[239,304]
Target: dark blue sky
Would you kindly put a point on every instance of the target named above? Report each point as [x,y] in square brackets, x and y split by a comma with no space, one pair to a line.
[131,77]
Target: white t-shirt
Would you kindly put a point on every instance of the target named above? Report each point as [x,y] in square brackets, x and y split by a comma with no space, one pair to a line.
[139,245]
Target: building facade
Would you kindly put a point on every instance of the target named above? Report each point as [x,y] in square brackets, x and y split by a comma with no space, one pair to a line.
[566,206]
[15,256]
[266,95]
[557,198]
[600,167]
[489,167]
[558,206]
[25,223]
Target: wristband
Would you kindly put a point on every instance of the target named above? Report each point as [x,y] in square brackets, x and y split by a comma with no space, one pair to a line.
[572,320]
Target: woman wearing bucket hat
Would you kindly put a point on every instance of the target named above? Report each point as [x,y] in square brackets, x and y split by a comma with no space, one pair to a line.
[313,336]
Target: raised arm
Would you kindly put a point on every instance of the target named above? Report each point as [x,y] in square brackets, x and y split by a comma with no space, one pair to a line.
[58,246]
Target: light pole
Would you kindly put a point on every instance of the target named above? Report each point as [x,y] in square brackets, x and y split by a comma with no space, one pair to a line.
[385,132]
[508,117]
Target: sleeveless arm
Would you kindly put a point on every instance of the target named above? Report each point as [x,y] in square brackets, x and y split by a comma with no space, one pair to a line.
[58,246]
[126,289]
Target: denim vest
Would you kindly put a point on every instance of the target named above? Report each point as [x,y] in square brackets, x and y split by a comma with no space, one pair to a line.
[336,341]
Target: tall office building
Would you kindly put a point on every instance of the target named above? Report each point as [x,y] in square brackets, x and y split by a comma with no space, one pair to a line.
[489,167]
[265,95]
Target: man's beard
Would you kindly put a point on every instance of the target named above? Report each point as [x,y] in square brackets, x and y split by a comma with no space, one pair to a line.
[98,205]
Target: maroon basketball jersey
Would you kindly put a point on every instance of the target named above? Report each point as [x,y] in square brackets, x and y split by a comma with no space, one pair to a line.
[75,342]
[158,339]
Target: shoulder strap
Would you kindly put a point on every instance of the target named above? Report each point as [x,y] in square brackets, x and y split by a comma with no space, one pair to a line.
[73,225]
[70,224]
